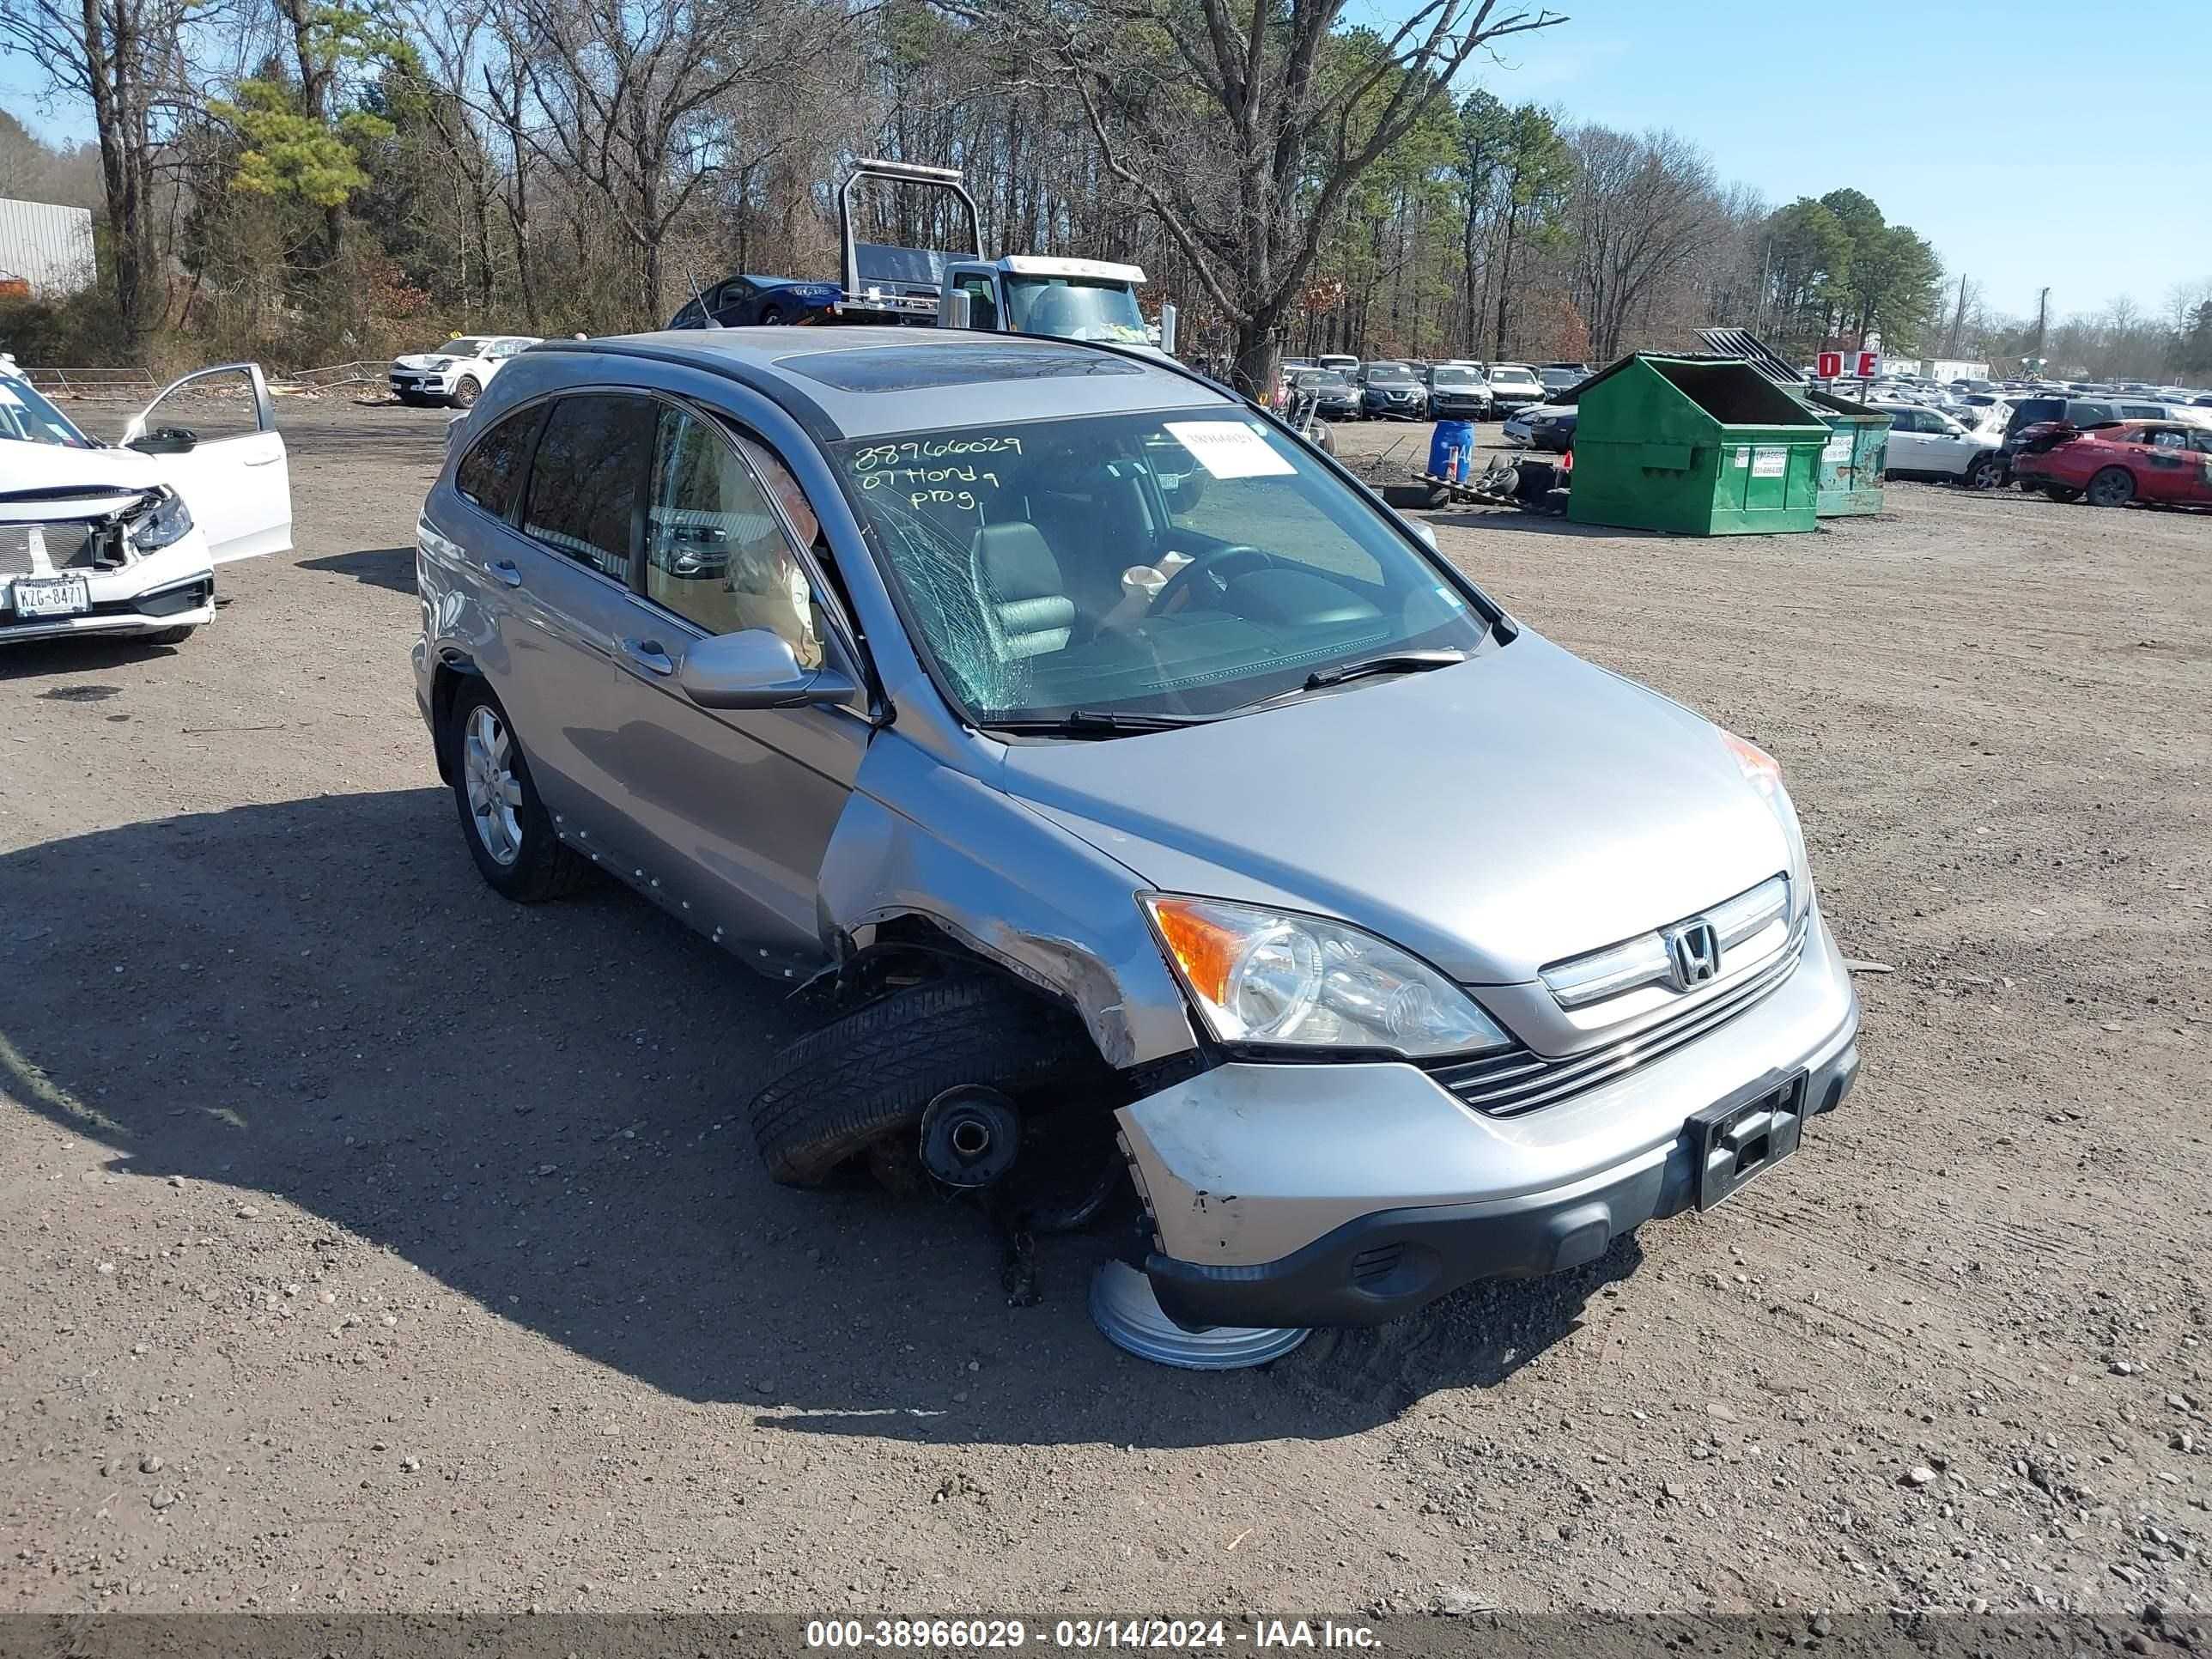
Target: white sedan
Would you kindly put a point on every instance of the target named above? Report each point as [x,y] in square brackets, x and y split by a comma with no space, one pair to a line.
[457,371]
[108,540]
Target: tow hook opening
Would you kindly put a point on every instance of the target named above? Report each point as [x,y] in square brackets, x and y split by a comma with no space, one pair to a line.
[970,1136]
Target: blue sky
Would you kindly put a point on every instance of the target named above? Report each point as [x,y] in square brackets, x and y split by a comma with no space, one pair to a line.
[2017,136]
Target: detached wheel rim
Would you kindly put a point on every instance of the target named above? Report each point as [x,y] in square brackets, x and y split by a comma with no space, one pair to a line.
[494,790]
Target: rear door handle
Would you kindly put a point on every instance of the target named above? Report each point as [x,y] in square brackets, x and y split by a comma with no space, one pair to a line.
[506,570]
[648,655]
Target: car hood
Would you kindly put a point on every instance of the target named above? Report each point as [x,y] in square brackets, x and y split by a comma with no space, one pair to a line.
[1492,816]
[110,478]
[429,359]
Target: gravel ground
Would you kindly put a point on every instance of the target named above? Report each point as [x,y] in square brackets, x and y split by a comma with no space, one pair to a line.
[372,1244]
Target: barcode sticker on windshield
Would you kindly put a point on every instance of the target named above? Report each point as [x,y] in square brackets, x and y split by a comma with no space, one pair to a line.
[1229,449]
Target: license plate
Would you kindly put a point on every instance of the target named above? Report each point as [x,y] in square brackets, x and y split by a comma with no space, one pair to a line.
[1741,1140]
[51,596]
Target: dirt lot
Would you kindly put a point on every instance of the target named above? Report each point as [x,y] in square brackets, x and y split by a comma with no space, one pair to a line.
[372,1244]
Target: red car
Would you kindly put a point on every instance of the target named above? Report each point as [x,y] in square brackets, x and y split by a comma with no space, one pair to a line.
[2124,461]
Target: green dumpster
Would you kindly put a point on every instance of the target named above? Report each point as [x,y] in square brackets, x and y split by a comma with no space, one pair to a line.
[1698,445]
[1851,460]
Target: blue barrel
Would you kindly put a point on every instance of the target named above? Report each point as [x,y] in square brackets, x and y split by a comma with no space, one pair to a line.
[1451,451]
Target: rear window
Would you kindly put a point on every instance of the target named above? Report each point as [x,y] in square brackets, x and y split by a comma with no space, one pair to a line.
[585,484]
[492,470]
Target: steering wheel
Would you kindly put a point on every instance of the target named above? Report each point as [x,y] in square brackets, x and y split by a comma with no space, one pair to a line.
[1217,566]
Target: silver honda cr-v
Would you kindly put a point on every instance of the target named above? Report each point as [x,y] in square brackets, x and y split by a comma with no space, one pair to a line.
[1143,803]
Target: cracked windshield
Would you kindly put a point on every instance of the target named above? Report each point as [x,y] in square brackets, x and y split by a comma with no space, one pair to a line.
[1164,565]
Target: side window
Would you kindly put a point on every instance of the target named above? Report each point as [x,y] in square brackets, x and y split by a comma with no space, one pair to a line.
[213,406]
[716,552]
[983,309]
[584,484]
[491,470]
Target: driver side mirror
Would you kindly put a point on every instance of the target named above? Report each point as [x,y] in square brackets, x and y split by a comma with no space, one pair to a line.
[756,668]
[165,441]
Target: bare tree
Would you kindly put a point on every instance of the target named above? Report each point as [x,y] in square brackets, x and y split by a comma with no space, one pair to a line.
[1642,207]
[124,58]
[1242,134]
[632,95]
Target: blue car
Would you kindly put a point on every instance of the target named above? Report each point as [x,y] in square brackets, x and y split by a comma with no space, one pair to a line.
[742,301]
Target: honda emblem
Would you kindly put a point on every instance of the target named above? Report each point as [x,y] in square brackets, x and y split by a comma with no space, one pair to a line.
[1693,953]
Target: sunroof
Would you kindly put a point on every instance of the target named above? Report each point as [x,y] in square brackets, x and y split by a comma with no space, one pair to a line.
[916,368]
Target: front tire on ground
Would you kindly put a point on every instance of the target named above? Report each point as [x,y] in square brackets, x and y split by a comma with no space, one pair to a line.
[504,822]
[869,1073]
[465,392]
[2113,487]
[172,635]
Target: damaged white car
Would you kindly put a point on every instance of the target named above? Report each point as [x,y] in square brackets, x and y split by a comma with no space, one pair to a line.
[457,373]
[105,539]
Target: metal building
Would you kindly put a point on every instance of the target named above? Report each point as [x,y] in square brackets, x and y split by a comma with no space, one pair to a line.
[47,247]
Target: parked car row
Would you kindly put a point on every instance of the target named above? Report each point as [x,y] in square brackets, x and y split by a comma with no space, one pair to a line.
[1459,389]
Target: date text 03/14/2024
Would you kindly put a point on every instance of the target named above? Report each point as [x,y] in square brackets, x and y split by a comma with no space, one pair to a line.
[1090,1635]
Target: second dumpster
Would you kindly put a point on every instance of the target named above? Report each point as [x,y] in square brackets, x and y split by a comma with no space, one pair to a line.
[1698,445]
[1851,461]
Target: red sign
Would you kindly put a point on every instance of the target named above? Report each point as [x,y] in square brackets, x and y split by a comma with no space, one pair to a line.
[1869,365]
[1831,366]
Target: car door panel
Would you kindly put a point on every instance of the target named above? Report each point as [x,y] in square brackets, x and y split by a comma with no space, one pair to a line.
[560,592]
[735,808]
[1906,452]
[2163,472]
[235,477]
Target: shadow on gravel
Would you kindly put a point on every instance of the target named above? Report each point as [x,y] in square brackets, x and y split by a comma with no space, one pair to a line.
[1506,518]
[379,567]
[40,658]
[319,1001]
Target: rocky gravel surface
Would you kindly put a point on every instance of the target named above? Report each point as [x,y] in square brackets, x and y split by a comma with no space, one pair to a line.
[367,1242]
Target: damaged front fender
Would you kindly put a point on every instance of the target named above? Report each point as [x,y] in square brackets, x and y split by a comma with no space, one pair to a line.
[920,841]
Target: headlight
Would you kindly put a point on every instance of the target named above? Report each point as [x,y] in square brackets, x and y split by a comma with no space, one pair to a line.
[1268,977]
[1764,773]
[159,524]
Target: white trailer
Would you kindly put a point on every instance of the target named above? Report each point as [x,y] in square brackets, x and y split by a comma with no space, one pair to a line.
[46,246]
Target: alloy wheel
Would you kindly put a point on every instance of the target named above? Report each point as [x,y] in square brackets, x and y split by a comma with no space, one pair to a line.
[494,790]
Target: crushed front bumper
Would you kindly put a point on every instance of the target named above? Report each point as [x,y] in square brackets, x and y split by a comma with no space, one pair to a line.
[1350,1194]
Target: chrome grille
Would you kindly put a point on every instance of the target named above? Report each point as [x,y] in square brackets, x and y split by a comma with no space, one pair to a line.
[68,547]
[1516,1080]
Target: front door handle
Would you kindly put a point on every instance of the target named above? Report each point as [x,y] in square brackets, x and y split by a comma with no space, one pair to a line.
[648,655]
[506,570]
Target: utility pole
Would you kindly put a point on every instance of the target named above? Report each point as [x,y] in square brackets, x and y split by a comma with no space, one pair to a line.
[2042,319]
[1957,321]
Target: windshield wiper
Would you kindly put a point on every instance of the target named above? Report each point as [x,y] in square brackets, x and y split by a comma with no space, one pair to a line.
[1392,662]
[1097,722]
